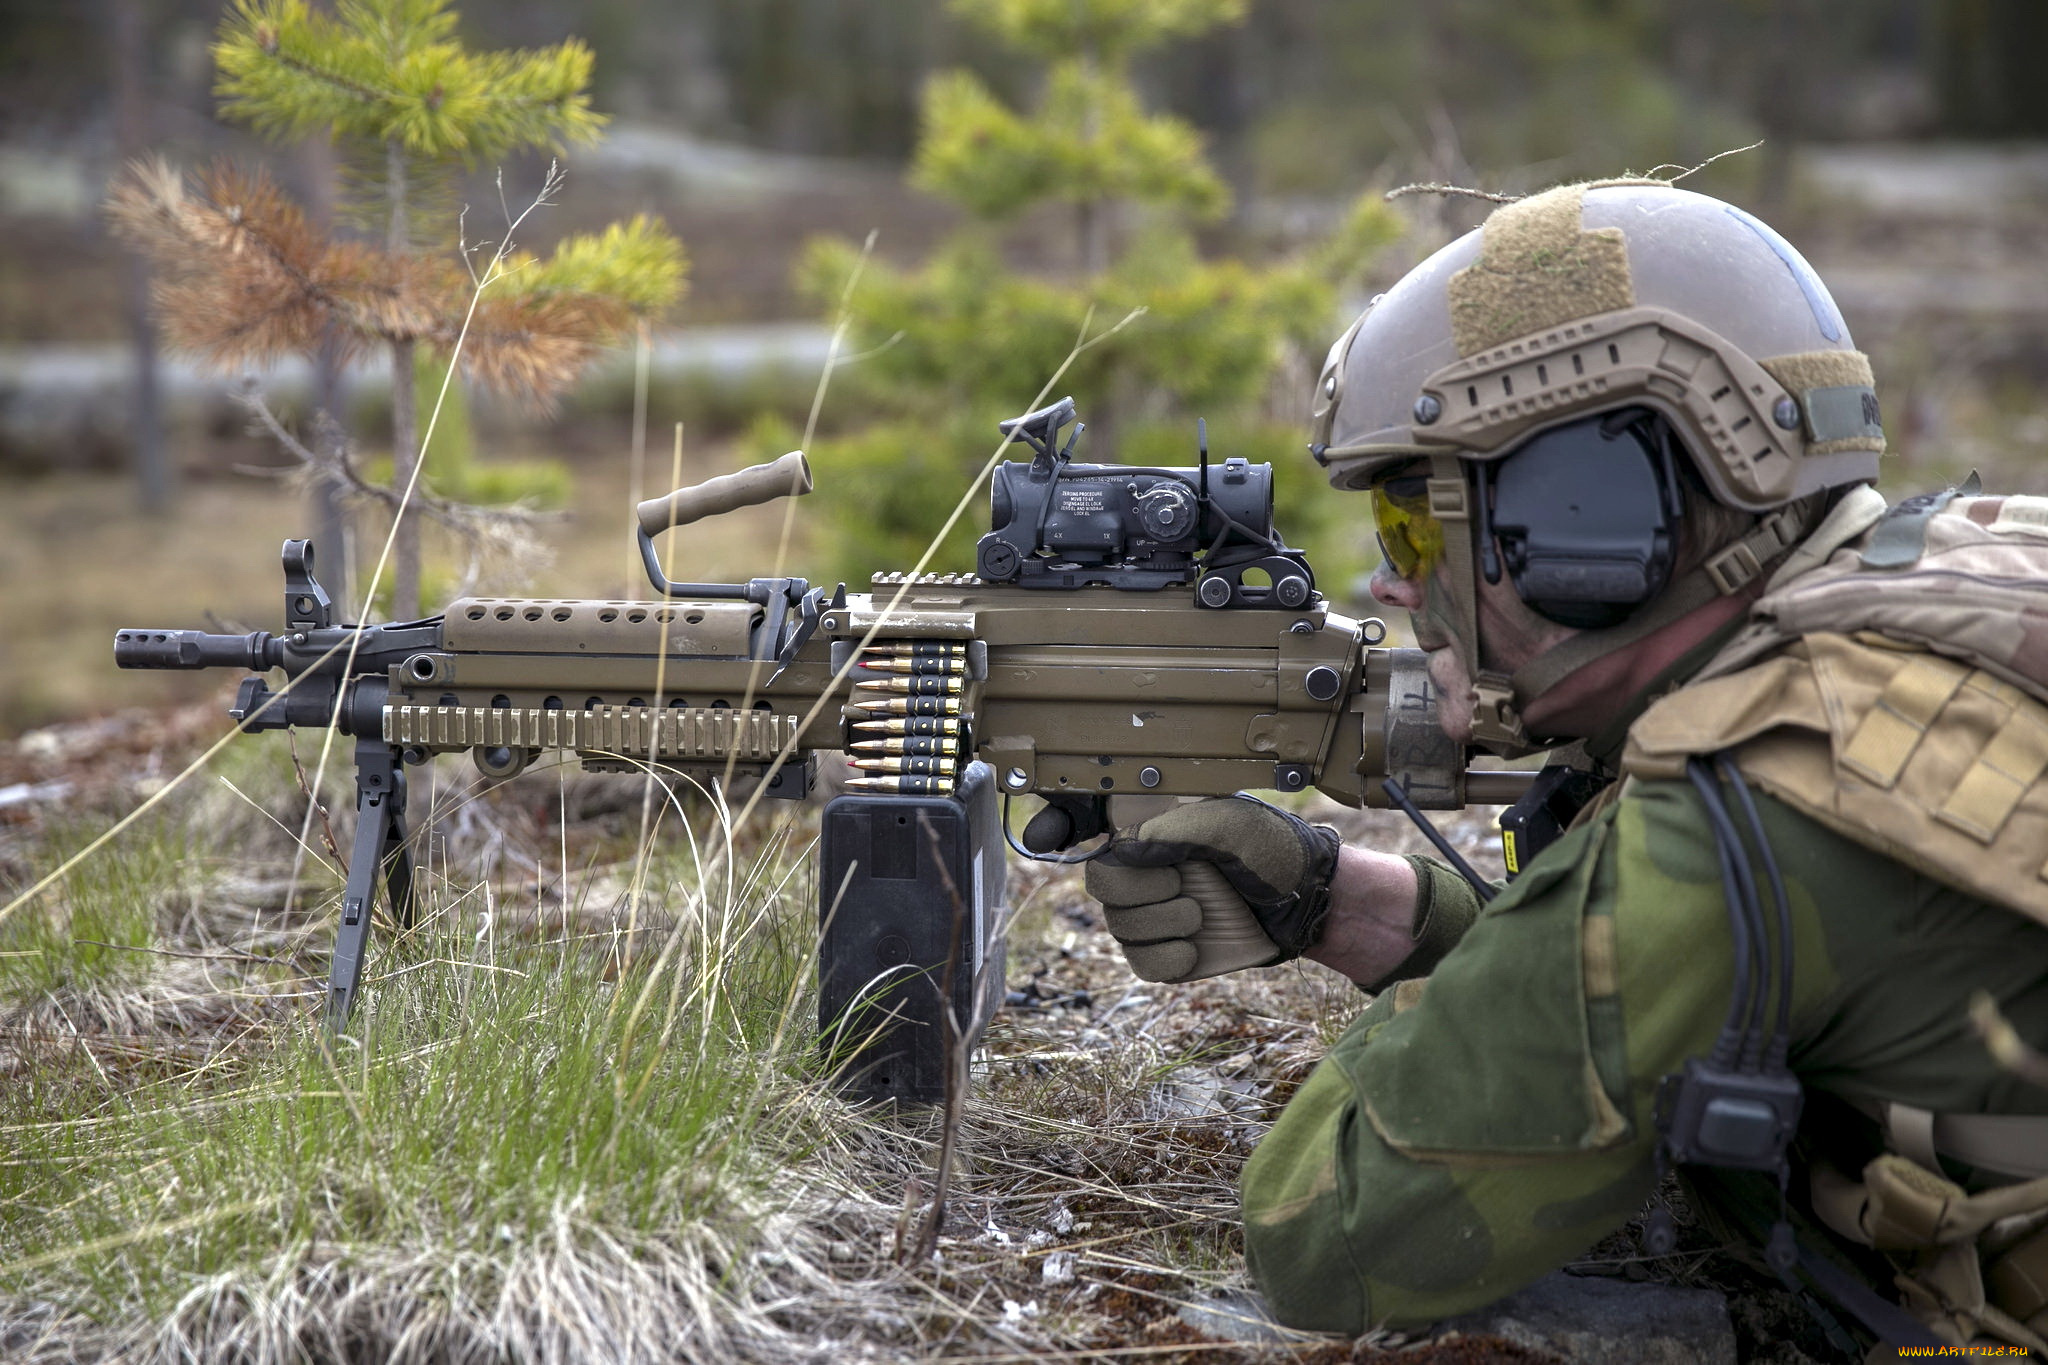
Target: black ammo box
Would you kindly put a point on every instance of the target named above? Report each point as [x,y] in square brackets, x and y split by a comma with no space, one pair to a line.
[912,913]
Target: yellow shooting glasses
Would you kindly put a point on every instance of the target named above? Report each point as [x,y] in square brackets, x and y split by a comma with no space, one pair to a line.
[1411,538]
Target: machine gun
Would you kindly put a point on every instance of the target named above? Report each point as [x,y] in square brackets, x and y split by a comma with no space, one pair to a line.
[1115,642]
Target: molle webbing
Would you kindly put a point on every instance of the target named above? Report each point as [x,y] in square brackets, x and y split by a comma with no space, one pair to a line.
[1537,268]
[674,732]
[2007,767]
[1882,742]
[1920,758]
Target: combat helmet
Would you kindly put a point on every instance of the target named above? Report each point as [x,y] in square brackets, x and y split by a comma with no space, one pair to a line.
[1560,358]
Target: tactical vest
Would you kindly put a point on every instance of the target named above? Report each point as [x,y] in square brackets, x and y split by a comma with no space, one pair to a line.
[1892,684]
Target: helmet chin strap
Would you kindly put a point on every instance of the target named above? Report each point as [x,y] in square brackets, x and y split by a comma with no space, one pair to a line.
[1726,573]
[1496,724]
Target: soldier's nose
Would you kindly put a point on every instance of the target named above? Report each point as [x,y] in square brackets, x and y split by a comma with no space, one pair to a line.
[1391,590]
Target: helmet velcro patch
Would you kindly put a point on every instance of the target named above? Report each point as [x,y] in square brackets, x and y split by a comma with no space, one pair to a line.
[1537,268]
[1837,398]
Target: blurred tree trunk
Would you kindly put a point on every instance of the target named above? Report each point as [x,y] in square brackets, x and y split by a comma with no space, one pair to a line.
[151,462]
[1987,62]
[1779,106]
[1691,45]
[405,439]
[330,520]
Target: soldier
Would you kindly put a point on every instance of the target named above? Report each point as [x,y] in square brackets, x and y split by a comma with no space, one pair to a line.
[1618,447]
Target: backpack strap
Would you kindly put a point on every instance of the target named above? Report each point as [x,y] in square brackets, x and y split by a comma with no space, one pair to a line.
[1898,539]
[2014,1146]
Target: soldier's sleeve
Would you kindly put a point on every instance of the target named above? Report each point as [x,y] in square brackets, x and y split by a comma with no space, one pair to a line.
[1445,908]
[1478,1127]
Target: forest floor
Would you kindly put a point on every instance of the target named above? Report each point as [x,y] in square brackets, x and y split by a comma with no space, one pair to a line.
[505,1159]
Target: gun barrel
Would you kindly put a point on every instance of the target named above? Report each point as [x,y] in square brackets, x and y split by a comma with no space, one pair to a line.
[192,649]
[1496,786]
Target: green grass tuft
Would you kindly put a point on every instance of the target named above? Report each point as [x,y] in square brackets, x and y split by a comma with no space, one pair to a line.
[580,1115]
[98,932]
[517,1103]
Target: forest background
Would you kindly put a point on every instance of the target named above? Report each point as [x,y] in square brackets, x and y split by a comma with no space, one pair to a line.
[1902,148]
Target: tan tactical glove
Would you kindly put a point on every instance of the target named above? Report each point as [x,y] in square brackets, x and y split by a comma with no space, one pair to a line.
[1215,886]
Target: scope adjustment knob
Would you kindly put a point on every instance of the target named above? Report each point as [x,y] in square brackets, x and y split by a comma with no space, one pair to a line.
[1166,512]
[999,561]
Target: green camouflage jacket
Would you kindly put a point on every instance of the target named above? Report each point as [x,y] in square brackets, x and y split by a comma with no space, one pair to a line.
[1478,1127]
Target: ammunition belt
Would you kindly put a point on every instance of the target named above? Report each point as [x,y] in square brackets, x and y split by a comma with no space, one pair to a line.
[908,691]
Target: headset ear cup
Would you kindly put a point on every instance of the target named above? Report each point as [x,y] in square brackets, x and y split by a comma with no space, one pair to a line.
[1585,517]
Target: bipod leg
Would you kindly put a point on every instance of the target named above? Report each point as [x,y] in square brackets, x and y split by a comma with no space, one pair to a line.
[379,848]
[396,856]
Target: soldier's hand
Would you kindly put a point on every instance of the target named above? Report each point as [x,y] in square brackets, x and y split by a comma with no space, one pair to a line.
[1215,886]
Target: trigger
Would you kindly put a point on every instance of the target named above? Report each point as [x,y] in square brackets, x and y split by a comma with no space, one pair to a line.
[1049,831]
[1066,820]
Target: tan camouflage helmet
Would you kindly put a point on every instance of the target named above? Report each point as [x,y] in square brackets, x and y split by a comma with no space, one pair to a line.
[1591,297]
[1581,300]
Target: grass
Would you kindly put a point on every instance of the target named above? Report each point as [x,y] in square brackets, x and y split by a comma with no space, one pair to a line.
[494,1159]
[554,1140]
[98,934]
[581,1114]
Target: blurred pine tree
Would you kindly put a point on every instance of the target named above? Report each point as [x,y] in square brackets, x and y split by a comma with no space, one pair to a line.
[966,340]
[244,276]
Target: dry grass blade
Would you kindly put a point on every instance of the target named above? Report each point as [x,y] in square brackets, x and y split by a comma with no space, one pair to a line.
[492,274]
[2004,1041]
